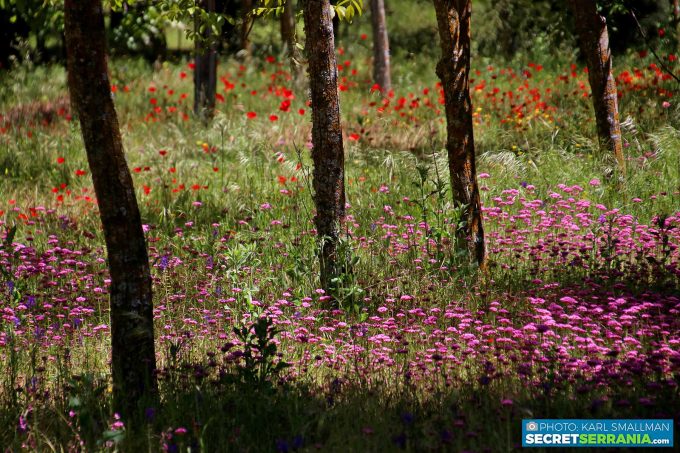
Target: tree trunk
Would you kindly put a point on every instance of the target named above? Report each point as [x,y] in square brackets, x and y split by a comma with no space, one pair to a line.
[288,35]
[246,25]
[381,47]
[327,152]
[133,357]
[594,44]
[205,71]
[453,22]
[288,27]
[676,22]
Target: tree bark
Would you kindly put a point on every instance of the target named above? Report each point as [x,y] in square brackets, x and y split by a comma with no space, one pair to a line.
[246,25]
[133,356]
[288,35]
[453,22]
[205,70]
[676,22]
[288,27]
[381,47]
[594,45]
[327,151]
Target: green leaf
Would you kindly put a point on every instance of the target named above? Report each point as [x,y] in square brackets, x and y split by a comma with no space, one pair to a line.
[113,435]
[74,402]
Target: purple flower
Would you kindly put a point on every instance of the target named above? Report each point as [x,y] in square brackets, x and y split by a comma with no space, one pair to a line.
[282,446]
[164,262]
[23,424]
[407,418]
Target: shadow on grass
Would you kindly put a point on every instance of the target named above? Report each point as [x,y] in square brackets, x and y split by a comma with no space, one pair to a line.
[203,411]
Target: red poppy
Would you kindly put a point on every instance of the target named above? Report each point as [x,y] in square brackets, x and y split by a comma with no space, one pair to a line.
[80,172]
[251,115]
[60,160]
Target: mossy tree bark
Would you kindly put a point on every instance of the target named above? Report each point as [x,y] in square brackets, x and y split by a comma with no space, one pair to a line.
[453,22]
[381,47]
[205,70]
[327,151]
[133,356]
[593,40]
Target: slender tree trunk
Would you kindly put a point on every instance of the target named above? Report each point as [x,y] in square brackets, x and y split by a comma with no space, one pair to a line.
[132,335]
[327,153]
[676,22]
[205,71]
[453,21]
[288,27]
[594,44]
[246,25]
[288,36]
[381,47]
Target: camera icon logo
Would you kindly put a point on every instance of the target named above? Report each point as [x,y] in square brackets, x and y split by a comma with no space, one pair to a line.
[532,426]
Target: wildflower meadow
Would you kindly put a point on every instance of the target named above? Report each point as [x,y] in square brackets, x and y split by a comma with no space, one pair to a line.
[575,314]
